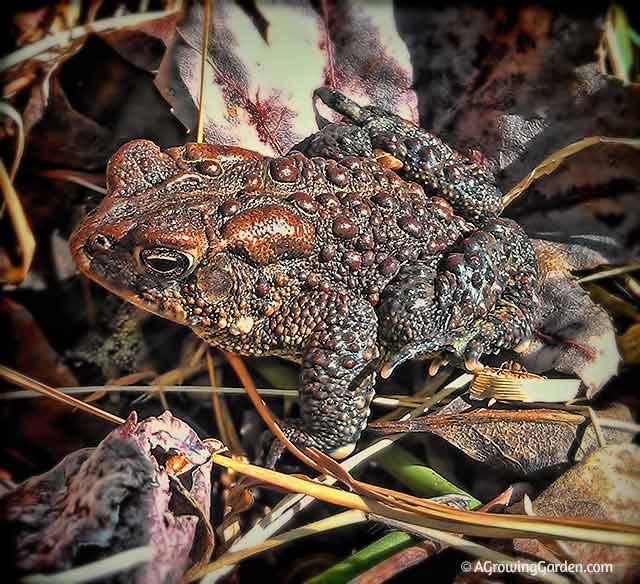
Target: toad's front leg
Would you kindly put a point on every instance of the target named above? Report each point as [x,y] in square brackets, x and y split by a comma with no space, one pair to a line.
[338,373]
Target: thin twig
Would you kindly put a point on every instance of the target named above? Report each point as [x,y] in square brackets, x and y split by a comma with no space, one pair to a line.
[203,69]
[66,36]
[21,228]
[12,113]
[342,519]
[265,413]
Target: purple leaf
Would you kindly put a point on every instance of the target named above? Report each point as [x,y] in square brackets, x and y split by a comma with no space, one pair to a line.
[117,496]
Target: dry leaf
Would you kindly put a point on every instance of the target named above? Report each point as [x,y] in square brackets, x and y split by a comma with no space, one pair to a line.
[258,93]
[629,344]
[574,335]
[26,347]
[603,486]
[100,501]
[519,82]
[523,81]
[521,443]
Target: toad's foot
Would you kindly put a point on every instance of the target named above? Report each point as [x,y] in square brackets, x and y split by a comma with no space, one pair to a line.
[479,299]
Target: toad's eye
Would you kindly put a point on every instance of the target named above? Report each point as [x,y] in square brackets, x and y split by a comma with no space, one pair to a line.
[166,261]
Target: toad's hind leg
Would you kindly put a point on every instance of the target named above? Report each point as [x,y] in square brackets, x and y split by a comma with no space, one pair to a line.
[338,373]
[469,187]
[478,299]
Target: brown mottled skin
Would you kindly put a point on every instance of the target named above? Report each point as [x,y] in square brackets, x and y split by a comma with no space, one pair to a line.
[329,258]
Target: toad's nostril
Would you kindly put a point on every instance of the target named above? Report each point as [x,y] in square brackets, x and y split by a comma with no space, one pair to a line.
[101,241]
[97,243]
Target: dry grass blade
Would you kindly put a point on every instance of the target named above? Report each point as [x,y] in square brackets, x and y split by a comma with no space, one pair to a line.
[292,504]
[28,383]
[434,515]
[477,550]
[551,163]
[95,570]
[343,519]
[222,414]
[84,179]
[66,36]
[113,387]
[611,272]
[24,235]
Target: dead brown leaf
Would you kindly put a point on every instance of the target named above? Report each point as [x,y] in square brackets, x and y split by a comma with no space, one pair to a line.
[121,495]
[521,443]
[574,335]
[629,344]
[604,486]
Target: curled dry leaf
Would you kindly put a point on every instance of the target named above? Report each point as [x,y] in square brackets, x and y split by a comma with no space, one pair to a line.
[259,92]
[604,486]
[574,335]
[520,443]
[79,121]
[119,495]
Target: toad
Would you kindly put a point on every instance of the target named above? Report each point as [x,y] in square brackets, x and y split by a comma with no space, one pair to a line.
[370,243]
